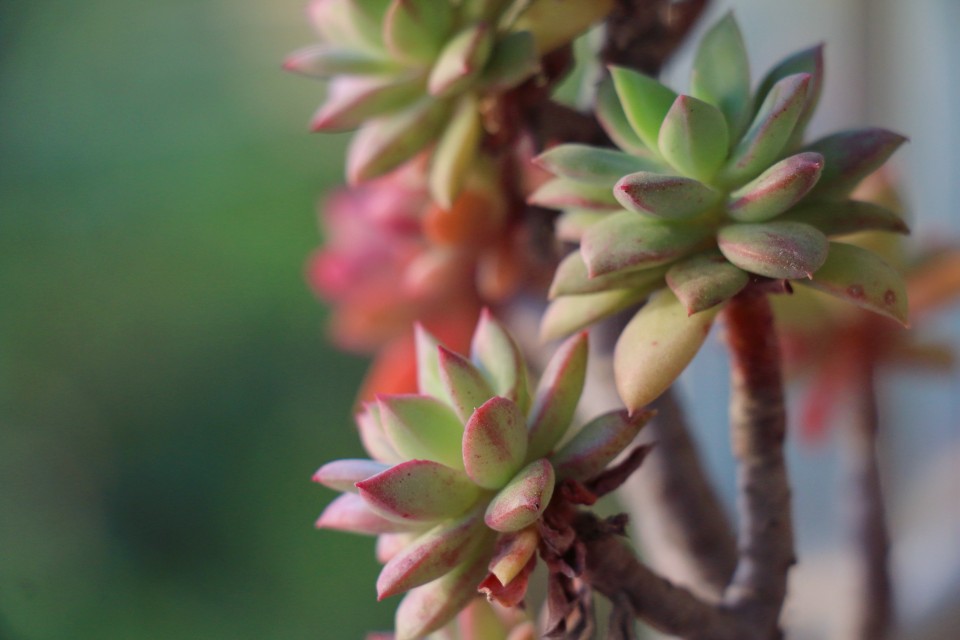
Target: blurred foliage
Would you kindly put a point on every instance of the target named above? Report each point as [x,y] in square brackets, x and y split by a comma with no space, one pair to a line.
[165,388]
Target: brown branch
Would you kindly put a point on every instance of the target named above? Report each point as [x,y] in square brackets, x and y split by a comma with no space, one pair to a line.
[870,534]
[613,570]
[689,513]
[642,34]
[758,429]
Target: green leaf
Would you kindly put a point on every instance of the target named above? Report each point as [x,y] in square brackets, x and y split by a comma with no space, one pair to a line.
[353,100]
[597,443]
[664,197]
[420,491]
[861,277]
[656,346]
[807,61]
[461,61]
[494,443]
[774,249]
[614,121]
[625,240]
[513,60]
[571,224]
[721,72]
[521,502]
[572,278]
[850,156]
[776,189]
[694,138]
[769,132]
[372,435]
[428,365]
[498,358]
[561,193]
[429,607]
[352,24]
[558,393]
[645,103]
[326,60]
[416,30]
[467,387]
[705,280]
[847,216]
[455,152]
[422,427]
[432,555]
[385,143]
[583,163]
[568,314]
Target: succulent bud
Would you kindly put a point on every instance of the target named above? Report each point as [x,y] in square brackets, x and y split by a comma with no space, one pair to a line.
[724,193]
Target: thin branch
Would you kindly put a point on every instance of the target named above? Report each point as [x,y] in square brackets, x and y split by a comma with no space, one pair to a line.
[613,570]
[870,534]
[757,431]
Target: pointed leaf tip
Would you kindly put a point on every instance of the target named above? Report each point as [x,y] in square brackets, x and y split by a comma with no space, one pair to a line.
[494,443]
[520,503]
[419,490]
[558,394]
[598,443]
[464,383]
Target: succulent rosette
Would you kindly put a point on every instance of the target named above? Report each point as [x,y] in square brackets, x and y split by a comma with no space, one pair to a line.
[412,73]
[461,473]
[708,192]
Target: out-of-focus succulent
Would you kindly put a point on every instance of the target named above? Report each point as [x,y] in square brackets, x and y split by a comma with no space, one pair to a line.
[413,73]
[461,473]
[710,191]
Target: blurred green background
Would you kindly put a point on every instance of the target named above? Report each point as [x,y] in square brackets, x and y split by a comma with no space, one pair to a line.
[165,387]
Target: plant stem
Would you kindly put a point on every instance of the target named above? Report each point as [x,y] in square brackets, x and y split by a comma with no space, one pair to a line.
[757,431]
[870,534]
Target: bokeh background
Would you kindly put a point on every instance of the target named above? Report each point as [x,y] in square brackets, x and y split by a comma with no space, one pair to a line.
[165,387]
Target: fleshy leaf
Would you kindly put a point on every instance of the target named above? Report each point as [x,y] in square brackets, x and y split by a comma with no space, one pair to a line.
[494,443]
[435,553]
[573,223]
[776,189]
[625,240]
[847,216]
[721,72]
[656,346]
[861,277]
[325,61]
[372,435]
[705,280]
[514,59]
[348,23]
[464,383]
[597,443]
[429,607]
[665,197]
[419,490]
[342,475]
[572,278]
[850,157]
[595,165]
[455,152]
[461,61]
[385,143]
[498,357]
[352,100]
[558,393]
[645,102]
[349,512]
[614,121]
[770,130]
[390,544]
[521,502]
[806,61]
[561,193]
[513,552]
[694,138]
[428,364]
[568,314]
[541,19]
[422,427]
[774,249]
[415,30]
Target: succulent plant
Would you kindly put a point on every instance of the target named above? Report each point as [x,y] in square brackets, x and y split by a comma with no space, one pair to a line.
[708,192]
[461,472]
[411,73]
